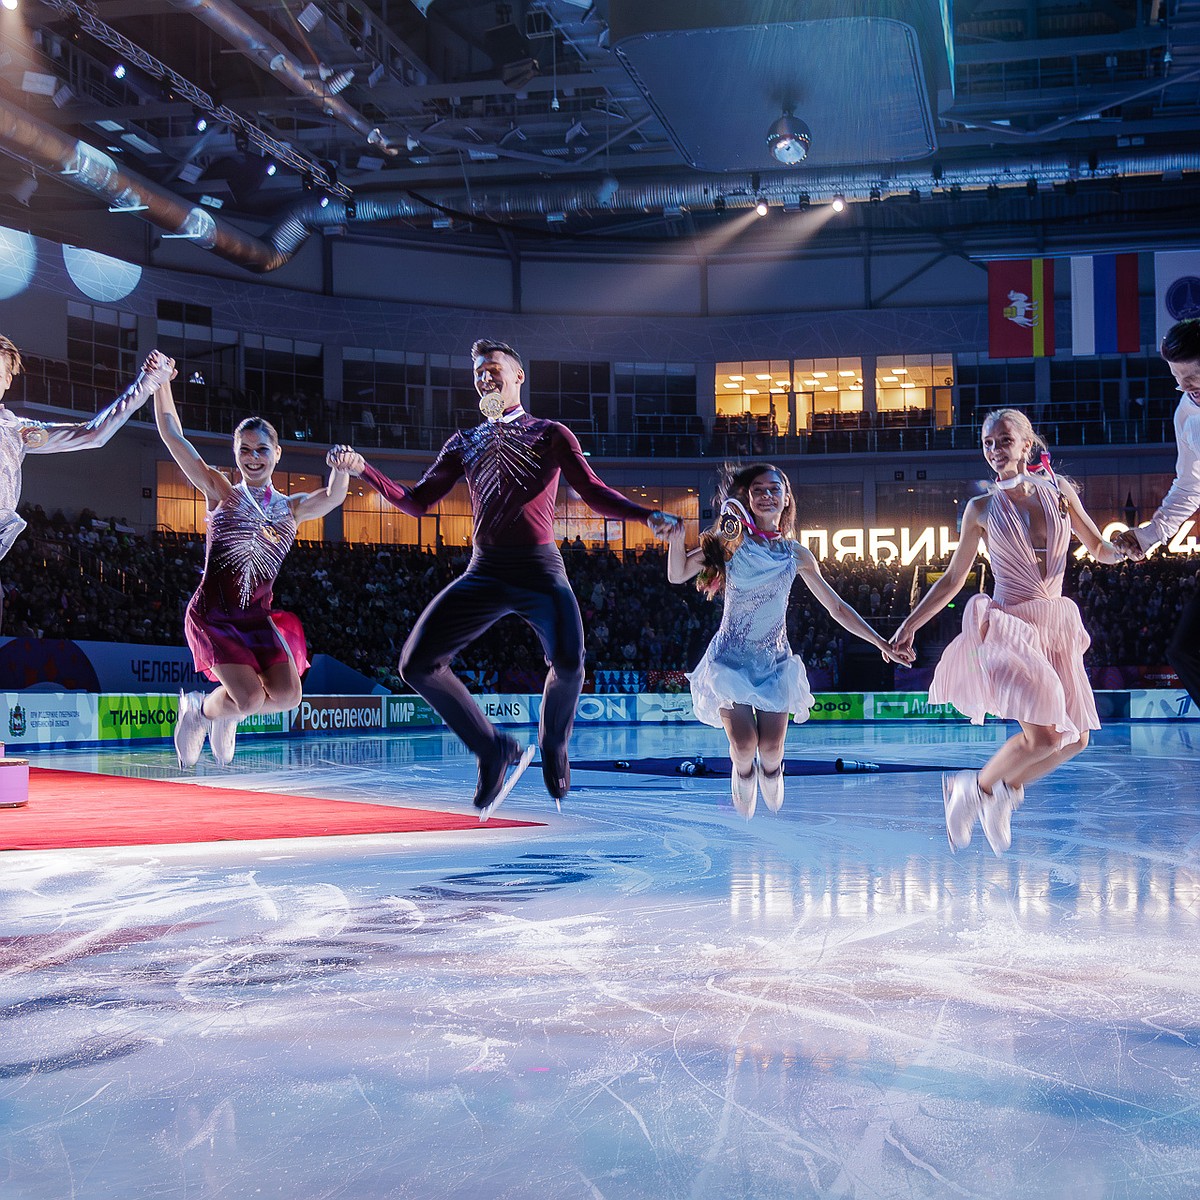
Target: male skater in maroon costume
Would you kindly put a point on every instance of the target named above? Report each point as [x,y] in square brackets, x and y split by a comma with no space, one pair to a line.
[511,463]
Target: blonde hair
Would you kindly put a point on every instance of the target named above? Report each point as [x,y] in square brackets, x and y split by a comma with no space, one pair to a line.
[9,350]
[1023,428]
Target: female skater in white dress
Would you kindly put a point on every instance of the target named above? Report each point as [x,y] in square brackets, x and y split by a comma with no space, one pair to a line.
[1020,653]
[749,681]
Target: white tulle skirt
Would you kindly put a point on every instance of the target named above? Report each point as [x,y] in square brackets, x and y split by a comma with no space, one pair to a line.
[781,686]
[1021,662]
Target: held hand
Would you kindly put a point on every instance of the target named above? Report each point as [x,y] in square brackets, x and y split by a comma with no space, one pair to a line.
[663,524]
[1127,544]
[902,643]
[345,458]
[158,369]
[902,656]
[677,534]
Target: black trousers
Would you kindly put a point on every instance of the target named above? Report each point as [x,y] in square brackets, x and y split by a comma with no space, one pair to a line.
[1183,652]
[529,581]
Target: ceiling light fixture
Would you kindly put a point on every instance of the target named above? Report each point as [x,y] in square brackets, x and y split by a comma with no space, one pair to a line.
[788,140]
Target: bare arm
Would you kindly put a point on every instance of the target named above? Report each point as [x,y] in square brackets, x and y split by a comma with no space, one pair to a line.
[1085,528]
[307,506]
[810,572]
[91,435]
[682,564]
[955,575]
[204,478]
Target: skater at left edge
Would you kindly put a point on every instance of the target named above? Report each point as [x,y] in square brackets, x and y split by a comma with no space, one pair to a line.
[254,653]
[511,462]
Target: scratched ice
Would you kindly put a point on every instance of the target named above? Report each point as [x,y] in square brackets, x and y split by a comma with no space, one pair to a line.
[646,997]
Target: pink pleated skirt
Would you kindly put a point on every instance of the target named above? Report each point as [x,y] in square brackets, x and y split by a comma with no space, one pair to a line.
[1020,662]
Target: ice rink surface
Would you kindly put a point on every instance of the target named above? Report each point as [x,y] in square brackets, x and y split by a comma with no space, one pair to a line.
[648,997]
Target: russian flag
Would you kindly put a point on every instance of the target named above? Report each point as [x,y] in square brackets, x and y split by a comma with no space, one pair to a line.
[1104,305]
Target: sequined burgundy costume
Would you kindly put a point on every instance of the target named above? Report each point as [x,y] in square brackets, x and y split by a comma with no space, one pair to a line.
[229,619]
[512,467]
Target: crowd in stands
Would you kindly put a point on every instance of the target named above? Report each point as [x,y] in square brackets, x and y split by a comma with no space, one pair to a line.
[92,579]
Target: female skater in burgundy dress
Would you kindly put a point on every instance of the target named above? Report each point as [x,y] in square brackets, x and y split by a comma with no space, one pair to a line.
[257,655]
[1020,653]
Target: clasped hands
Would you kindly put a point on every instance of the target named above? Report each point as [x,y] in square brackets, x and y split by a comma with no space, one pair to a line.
[345,458]
[1126,543]
[663,524]
[158,369]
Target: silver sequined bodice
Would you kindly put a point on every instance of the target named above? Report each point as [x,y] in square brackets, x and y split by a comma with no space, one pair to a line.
[753,631]
[248,537]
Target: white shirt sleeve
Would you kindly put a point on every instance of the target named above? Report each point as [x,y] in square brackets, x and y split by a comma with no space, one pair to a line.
[1183,498]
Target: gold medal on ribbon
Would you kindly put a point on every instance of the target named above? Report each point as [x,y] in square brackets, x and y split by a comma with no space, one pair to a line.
[734,520]
[491,405]
[271,535]
[34,436]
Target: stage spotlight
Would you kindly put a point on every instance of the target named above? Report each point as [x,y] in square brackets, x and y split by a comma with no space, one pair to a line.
[351,209]
[11,5]
[875,195]
[914,194]
[719,204]
[201,122]
[324,201]
[307,183]
[119,71]
[993,192]
[760,206]
[788,140]
[271,168]
[839,203]
[1031,186]
[955,191]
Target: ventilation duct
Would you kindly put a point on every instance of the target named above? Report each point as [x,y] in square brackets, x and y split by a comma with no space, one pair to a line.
[92,171]
[247,35]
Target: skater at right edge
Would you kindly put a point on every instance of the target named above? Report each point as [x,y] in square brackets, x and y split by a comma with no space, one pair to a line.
[511,462]
[1181,350]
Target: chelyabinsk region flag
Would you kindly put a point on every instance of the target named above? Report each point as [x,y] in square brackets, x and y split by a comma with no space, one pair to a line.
[1021,308]
[1176,287]
[1104,304]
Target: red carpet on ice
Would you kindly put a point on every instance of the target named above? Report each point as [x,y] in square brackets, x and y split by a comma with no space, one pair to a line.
[70,809]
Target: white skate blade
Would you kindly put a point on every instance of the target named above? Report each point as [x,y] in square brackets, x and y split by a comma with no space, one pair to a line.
[511,782]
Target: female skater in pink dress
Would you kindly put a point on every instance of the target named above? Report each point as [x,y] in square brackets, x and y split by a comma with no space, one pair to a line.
[256,655]
[1020,653]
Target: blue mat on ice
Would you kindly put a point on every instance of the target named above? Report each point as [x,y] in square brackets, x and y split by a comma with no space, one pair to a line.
[695,765]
